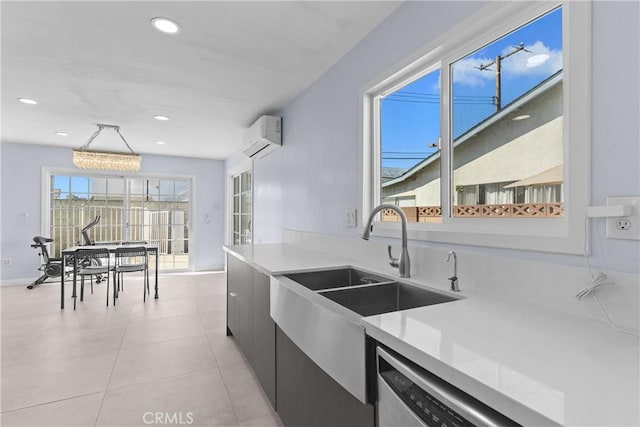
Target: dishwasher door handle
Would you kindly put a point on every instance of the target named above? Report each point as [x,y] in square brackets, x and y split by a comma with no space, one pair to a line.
[458,401]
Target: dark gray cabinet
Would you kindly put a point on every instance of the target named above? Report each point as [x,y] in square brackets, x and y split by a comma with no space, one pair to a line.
[250,323]
[308,397]
[305,395]
[264,337]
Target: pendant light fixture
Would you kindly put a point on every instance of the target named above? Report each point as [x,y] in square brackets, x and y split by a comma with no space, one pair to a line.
[85,158]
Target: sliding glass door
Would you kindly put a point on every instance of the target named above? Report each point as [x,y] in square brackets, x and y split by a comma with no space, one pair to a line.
[159,212]
[154,210]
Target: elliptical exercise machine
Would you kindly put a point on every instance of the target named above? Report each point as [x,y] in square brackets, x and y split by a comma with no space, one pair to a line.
[52,267]
[85,231]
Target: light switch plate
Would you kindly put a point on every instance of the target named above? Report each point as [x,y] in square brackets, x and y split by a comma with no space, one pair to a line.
[627,227]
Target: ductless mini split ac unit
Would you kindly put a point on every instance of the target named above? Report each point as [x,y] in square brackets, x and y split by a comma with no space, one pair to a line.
[264,136]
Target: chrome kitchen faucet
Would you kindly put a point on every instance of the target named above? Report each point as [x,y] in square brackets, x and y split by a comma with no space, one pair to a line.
[402,264]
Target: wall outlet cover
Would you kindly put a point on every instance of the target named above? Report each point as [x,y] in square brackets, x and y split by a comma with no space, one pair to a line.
[351,218]
[627,227]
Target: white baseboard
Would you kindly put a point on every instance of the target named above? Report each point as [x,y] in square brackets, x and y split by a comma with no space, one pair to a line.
[219,267]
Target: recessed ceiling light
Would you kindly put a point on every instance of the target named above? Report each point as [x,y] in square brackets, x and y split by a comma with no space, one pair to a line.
[62,133]
[161,118]
[160,142]
[165,25]
[28,101]
[521,117]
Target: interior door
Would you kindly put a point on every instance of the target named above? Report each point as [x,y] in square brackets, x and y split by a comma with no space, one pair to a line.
[242,208]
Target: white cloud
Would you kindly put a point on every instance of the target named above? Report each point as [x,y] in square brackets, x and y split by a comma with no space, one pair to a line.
[516,65]
[465,71]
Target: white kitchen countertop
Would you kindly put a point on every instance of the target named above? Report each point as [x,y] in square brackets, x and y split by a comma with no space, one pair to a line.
[536,366]
[277,258]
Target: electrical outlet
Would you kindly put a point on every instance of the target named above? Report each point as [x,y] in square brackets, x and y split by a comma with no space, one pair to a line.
[7,262]
[625,227]
[623,223]
[351,220]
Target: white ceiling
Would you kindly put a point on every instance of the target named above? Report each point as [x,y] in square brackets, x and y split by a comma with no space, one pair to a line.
[89,62]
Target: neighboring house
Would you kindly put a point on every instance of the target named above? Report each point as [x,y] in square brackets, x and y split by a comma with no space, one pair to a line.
[512,157]
[392,173]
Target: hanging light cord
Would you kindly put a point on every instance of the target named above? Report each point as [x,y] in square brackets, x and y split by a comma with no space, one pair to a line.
[96,133]
[597,281]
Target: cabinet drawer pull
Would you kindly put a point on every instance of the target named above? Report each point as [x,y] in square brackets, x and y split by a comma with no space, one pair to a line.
[233,294]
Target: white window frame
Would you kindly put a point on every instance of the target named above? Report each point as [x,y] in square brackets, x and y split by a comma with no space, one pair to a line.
[48,172]
[557,235]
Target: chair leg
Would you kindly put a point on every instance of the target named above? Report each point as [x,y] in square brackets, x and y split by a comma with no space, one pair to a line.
[82,289]
[116,285]
[91,285]
[107,275]
[73,293]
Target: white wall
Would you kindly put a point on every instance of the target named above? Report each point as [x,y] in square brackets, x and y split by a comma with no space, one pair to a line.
[21,194]
[314,179]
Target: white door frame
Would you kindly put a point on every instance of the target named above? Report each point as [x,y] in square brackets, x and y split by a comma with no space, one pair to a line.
[237,169]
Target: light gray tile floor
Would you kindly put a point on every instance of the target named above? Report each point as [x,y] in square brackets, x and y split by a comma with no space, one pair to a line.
[163,362]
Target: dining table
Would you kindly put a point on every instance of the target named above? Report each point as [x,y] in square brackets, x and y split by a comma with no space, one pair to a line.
[69,252]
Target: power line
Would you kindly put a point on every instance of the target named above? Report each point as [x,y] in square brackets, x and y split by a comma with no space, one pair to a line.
[488,101]
[405,152]
[403,158]
[421,94]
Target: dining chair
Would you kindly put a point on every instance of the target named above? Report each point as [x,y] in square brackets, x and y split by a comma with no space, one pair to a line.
[130,259]
[90,262]
[130,243]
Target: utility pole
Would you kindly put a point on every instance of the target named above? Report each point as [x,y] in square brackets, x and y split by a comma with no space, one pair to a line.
[498,64]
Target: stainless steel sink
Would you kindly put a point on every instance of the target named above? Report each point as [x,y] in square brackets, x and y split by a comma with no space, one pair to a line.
[321,311]
[385,298]
[339,278]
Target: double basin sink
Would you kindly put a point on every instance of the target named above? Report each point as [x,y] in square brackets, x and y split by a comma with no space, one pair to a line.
[321,311]
[365,293]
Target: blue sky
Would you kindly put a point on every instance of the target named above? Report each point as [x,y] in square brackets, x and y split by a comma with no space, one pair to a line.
[411,115]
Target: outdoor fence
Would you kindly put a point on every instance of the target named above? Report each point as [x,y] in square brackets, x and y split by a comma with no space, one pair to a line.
[516,210]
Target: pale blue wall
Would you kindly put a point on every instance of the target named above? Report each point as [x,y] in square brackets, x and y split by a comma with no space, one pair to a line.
[314,179]
[21,181]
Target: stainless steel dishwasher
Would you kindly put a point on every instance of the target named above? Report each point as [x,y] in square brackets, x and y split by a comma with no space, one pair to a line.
[409,396]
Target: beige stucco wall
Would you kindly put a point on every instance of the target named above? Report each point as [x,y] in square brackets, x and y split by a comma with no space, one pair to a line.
[534,152]
[505,151]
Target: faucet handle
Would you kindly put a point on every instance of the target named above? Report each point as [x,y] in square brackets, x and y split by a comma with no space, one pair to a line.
[394,262]
[454,284]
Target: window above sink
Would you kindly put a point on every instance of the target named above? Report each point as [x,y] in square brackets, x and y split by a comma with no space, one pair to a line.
[455,174]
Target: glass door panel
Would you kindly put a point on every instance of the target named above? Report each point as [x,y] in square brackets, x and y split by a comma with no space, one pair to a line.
[241,221]
[130,209]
